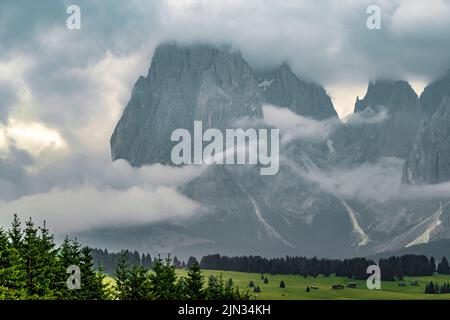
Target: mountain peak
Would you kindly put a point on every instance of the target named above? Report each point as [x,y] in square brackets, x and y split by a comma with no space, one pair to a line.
[389,93]
[287,90]
[285,68]
[185,83]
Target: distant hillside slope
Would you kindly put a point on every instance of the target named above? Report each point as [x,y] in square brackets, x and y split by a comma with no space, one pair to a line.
[436,249]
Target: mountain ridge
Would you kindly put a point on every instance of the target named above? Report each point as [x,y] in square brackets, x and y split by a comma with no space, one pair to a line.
[286,213]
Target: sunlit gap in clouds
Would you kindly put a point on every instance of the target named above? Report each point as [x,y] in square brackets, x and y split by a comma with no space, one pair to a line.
[33,136]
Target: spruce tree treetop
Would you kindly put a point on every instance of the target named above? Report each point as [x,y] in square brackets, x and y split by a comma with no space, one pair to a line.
[16,233]
[194,283]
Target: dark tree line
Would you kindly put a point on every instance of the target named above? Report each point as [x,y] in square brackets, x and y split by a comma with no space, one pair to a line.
[406,265]
[109,261]
[355,267]
[391,268]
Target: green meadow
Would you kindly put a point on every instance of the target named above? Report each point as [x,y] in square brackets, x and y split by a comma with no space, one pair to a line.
[296,287]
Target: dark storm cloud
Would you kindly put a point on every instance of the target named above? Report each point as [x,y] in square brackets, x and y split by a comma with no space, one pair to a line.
[323,40]
[115,25]
[38,30]
[13,176]
[8,97]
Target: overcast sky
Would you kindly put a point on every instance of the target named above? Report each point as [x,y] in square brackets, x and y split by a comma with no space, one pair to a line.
[62,91]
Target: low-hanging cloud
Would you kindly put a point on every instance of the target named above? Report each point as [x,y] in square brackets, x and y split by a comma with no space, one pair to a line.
[294,126]
[82,193]
[369,115]
[370,182]
[378,181]
[86,208]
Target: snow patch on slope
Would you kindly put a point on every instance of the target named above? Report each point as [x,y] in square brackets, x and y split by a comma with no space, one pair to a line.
[271,232]
[434,220]
[362,236]
[265,84]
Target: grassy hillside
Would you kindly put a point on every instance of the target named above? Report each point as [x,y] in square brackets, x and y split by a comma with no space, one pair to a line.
[295,287]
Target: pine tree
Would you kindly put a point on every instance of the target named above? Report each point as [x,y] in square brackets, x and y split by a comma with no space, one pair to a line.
[251,284]
[266,281]
[33,265]
[4,258]
[429,288]
[16,233]
[12,277]
[443,266]
[194,283]
[229,292]
[68,255]
[17,277]
[176,263]
[214,289]
[190,262]
[432,265]
[445,288]
[163,280]
[48,262]
[138,283]
[92,287]
[282,285]
[121,279]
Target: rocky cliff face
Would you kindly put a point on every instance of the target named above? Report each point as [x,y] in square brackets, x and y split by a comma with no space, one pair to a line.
[388,134]
[281,87]
[200,82]
[184,84]
[429,161]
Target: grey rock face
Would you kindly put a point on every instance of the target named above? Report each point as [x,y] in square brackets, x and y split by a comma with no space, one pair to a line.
[391,137]
[429,161]
[429,158]
[432,96]
[281,87]
[199,82]
[184,84]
